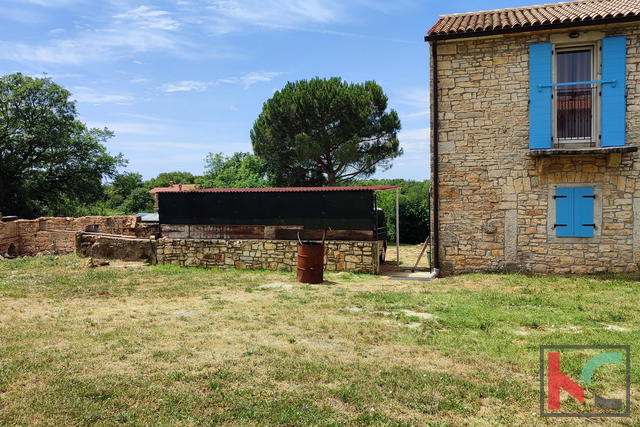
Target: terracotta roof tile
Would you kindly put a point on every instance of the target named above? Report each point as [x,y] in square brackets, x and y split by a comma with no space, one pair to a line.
[534,16]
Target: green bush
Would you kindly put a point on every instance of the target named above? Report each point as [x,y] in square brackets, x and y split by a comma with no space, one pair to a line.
[413,208]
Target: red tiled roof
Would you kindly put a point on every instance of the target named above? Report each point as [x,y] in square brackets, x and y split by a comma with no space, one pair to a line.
[295,189]
[535,16]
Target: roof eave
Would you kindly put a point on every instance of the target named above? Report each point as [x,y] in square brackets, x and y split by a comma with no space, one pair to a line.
[524,29]
[287,189]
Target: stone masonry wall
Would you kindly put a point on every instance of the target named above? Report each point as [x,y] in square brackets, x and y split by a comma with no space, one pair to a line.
[79,235]
[264,254]
[49,235]
[494,209]
[116,247]
[9,239]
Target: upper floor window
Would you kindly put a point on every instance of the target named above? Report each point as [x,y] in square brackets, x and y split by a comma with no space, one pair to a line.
[577,94]
[575,98]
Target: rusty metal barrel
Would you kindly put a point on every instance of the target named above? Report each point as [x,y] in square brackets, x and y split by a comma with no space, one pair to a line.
[310,262]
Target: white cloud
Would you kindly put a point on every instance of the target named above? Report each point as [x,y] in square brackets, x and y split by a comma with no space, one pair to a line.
[171,149]
[185,86]
[51,3]
[136,128]
[252,78]
[417,99]
[279,12]
[139,117]
[415,141]
[56,76]
[139,30]
[148,18]
[90,46]
[87,95]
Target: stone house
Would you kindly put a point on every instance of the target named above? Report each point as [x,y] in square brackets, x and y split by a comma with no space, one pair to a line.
[535,128]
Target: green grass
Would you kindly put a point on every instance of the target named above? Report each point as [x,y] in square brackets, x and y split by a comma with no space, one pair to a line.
[134,345]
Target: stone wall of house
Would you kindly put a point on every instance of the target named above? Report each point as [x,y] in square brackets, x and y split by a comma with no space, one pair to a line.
[58,235]
[494,209]
[264,254]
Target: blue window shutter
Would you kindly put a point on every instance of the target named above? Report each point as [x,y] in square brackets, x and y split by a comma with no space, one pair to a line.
[614,105]
[564,212]
[540,71]
[583,211]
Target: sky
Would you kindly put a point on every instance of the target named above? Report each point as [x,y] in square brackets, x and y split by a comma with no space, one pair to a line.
[178,79]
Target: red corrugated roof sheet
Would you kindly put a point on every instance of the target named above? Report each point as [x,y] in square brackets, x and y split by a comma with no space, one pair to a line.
[294,189]
[534,16]
[175,188]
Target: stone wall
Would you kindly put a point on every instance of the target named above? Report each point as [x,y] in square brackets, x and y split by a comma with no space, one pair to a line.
[119,238]
[265,254]
[494,209]
[9,238]
[116,247]
[58,235]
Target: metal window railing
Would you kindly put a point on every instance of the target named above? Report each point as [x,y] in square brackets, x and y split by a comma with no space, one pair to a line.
[574,109]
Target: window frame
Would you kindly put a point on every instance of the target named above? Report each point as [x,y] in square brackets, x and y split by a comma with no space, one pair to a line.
[552,214]
[612,120]
[596,104]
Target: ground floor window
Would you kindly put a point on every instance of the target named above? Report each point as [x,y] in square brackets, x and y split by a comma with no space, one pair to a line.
[574,211]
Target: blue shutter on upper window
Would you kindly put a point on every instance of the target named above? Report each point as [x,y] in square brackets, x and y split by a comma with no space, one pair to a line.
[614,105]
[540,71]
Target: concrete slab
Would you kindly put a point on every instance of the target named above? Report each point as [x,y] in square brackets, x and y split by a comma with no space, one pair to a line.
[403,274]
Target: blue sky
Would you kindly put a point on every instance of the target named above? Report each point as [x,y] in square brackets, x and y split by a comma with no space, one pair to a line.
[177,79]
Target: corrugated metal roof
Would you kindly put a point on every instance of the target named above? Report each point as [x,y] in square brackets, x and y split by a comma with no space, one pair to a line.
[174,189]
[535,16]
[148,217]
[295,189]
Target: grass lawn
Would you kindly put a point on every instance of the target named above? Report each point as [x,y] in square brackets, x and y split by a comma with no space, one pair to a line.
[164,346]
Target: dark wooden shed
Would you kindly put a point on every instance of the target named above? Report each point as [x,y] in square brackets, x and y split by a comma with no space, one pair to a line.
[273,213]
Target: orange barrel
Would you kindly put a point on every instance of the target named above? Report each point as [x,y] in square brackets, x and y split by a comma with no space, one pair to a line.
[310,262]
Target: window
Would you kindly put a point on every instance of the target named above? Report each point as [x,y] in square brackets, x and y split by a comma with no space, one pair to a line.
[577,94]
[573,100]
[93,228]
[574,211]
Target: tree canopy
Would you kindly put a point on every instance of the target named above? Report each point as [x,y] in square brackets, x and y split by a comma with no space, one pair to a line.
[241,170]
[414,208]
[326,132]
[50,163]
[165,178]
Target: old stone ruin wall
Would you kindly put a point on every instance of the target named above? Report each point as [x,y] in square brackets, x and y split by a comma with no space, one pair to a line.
[9,239]
[126,238]
[265,254]
[58,235]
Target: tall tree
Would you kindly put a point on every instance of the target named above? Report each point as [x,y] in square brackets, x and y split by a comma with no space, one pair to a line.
[124,183]
[326,130]
[241,170]
[165,178]
[50,163]
[139,200]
